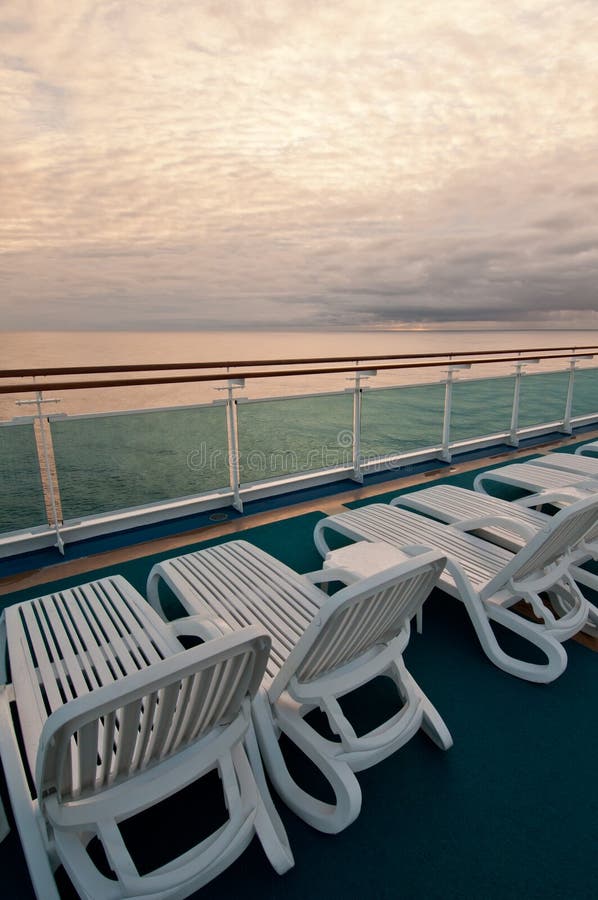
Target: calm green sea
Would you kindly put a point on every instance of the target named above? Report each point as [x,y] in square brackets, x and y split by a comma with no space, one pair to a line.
[108,459]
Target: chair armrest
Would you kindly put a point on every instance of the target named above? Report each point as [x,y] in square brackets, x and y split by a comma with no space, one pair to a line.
[325,576]
[558,495]
[204,627]
[348,577]
[480,522]
[418,549]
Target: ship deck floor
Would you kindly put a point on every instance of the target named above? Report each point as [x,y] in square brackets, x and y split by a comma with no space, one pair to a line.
[509,812]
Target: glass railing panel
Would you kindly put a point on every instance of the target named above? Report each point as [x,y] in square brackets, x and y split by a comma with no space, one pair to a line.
[543,398]
[292,435]
[398,420]
[21,493]
[481,407]
[112,462]
[585,392]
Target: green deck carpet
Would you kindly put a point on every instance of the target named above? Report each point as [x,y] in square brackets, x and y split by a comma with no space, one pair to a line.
[571,448]
[508,812]
[289,540]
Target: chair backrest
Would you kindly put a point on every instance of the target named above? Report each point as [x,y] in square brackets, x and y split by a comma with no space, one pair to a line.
[142,719]
[360,617]
[562,533]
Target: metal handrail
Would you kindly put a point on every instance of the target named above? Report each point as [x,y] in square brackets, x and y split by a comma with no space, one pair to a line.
[164,367]
[239,492]
[439,360]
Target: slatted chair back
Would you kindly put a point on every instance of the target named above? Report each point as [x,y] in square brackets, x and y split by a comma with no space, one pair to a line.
[99,740]
[557,539]
[360,617]
[65,644]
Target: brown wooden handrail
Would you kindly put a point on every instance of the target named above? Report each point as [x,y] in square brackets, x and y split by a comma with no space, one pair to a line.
[181,379]
[165,367]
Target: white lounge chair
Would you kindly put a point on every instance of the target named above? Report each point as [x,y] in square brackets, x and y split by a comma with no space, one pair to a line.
[489,579]
[589,449]
[536,478]
[114,716]
[508,524]
[323,647]
[585,466]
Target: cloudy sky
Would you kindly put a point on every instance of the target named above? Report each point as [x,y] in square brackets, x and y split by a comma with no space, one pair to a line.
[238,163]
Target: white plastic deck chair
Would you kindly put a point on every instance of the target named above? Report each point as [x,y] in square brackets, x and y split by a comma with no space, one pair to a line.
[589,449]
[536,478]
[114,716]
[323,647]
[585,466]
[489,579]
[508,524]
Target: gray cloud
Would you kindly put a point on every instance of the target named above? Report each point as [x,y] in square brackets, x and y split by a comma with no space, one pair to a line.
[195,165]
[576,247]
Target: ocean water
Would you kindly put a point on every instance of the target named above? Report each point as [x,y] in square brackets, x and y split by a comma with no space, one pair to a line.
[115,459]
[38,349]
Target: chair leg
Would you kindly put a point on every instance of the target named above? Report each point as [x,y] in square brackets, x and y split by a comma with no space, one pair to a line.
[590,580]
[432,722]
[39,854]
[267,822]
[480,614]
[542,673]
[326,817]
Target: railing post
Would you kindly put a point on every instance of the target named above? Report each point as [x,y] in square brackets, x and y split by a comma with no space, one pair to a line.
[513,436]
[47,451]
[514,430]
[567,427]
[569,401]
[446,422]
[357,395]
[445,453]
[232,430]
